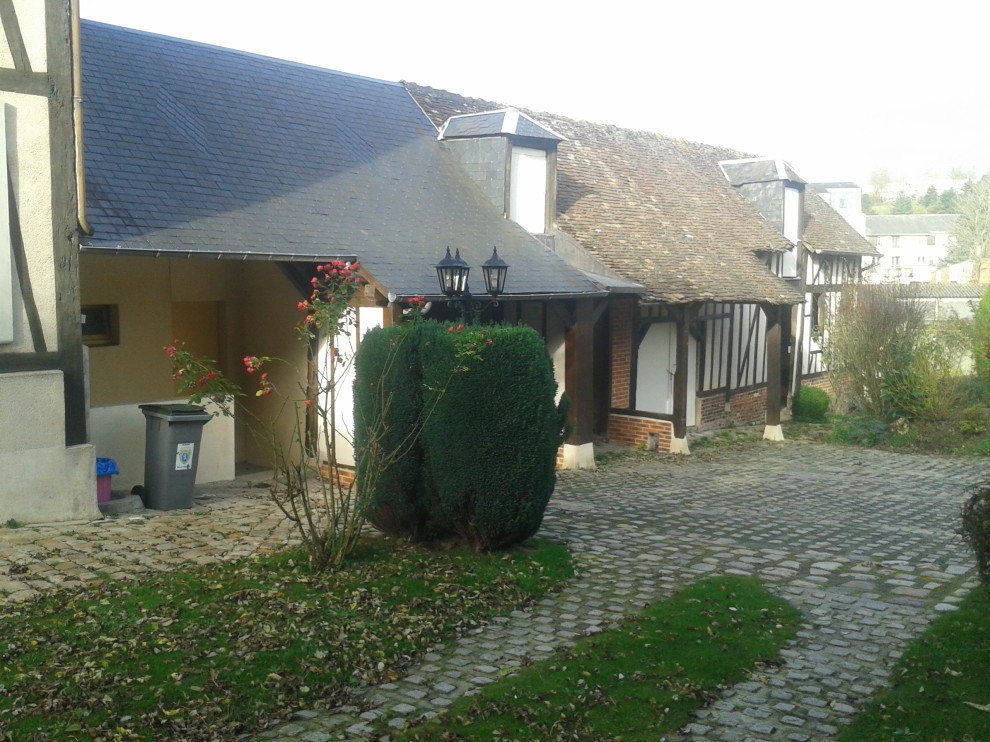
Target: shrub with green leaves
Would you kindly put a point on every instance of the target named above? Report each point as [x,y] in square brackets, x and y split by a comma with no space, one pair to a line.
[861,430]
[479,405]
[810,405]
[388,410]
[975,529]
[491,444]
[981,338]
[973,420]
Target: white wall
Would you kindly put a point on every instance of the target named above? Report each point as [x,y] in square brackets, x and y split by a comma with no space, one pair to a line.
[655,371]
[366,319]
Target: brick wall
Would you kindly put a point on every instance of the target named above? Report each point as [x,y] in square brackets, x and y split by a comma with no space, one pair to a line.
[745,408]
[634,431]
[822,381]
[346,474]
[621,322]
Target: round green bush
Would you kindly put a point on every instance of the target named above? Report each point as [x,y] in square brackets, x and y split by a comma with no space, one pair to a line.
[473,413]
[810,405]
[975,529]
[491,443]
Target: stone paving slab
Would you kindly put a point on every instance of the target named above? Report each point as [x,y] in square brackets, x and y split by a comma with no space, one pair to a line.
[862,542]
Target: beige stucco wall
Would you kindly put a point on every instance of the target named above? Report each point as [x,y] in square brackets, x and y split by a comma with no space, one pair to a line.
[42,479]
[258,316]
[264,325]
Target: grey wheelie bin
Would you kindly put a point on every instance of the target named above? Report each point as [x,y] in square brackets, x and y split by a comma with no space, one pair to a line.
[171,453]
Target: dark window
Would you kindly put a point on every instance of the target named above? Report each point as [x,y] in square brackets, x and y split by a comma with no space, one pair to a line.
[100,325]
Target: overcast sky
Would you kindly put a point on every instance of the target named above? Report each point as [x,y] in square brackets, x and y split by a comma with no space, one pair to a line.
[838,88]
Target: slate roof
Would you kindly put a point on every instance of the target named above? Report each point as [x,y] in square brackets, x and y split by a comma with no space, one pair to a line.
[904,224]
[758,170]
[492,123]
[825,231]
[654,209]
[196,150]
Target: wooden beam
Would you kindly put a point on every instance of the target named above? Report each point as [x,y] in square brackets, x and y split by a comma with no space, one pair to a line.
[580,372]
[773,364]
[681,372]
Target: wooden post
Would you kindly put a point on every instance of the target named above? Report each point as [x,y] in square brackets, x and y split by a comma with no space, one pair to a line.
[579,385]
[773,431]
[679,442]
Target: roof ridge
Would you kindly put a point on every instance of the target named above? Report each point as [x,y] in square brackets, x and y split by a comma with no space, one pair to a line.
[238,52]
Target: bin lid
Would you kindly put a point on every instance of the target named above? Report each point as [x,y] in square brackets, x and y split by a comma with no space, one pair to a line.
[176,412]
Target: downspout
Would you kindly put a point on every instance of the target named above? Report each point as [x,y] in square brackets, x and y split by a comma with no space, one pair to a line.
[77,113]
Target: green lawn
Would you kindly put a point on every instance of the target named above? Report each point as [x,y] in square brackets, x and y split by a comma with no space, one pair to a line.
[642,677]
[214,652]
[940,689]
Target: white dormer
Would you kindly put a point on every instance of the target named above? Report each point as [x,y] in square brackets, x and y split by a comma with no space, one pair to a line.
[513,159]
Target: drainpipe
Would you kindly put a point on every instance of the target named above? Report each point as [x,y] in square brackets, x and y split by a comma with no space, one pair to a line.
[77,112]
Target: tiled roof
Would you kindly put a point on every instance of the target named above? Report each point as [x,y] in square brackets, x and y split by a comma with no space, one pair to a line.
[945,290]
[826,187]
[825,231]
[197,150]
[656,210]
[902,224]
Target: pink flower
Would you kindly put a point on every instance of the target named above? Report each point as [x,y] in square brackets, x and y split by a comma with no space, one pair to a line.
[450,329]
[460,327]
[303,306]
[170,350]
[309,403]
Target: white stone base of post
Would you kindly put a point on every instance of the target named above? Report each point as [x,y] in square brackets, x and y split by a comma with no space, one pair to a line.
[679,445]
[773,433]
[581,456]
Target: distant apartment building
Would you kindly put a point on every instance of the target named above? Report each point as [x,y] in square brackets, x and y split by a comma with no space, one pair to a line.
[910,246]
[847,199]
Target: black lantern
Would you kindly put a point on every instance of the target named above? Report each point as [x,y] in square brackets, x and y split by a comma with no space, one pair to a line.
[452,272]
[495,270]
[453,275]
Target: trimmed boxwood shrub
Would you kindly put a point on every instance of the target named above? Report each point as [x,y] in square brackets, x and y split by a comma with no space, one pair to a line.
[485,464]
[491,444]
[388,383]
[975,529]
[810,405]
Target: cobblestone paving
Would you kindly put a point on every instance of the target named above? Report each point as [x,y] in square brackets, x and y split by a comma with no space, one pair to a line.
[230,521]
[862,542]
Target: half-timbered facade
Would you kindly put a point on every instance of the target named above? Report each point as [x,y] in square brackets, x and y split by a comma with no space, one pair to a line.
[827,253]
[49,471]
[690,350]
[711,339]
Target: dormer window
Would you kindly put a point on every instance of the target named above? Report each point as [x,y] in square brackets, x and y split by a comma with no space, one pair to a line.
[513,159]
[528,189]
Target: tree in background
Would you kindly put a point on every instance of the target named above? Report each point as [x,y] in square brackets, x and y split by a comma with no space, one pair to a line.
[981,338]
[972,229]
